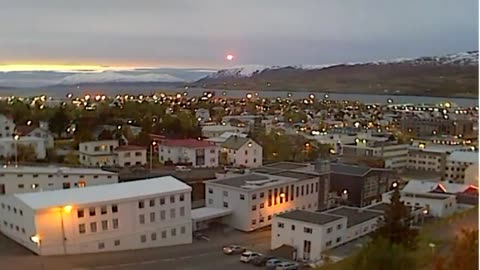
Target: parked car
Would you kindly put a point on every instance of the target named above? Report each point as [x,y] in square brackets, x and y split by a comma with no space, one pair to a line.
[247,256]
[182,169]
[272,263]
[233,249]
[261,260]
[288,266]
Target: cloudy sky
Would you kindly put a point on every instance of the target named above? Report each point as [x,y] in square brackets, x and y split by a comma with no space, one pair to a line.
[199,33]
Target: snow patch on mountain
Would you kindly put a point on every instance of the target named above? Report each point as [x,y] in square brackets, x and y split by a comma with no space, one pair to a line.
[111,76]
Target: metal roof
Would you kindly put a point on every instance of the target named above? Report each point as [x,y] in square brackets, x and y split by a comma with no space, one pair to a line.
[310,217]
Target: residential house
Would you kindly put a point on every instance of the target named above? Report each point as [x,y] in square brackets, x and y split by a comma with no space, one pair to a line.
[37,131]
[197,153]
[242,152]
[7,126]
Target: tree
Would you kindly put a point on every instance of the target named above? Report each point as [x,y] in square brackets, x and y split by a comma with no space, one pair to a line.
[381,254]
[26,153]
[464,251]
[396,226]
[105,135]
[71,158]
[59,121]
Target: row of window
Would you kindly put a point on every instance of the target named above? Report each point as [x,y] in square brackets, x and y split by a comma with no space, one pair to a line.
[329,243]
[17,228]
[305,229]
[162,216]
[269,217]
[82,228]
[151,202]
[129,154]
[92,211]
[20,175]
[153,236]
[11,208]
[65,185]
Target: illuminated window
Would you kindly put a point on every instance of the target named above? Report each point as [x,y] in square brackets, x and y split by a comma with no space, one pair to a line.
[82,184]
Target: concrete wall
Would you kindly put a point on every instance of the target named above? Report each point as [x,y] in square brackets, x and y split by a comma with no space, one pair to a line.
[131,158]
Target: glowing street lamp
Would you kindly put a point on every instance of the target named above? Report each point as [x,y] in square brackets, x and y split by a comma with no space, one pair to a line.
[67,209]
[16,138]
[282,195]
[35,239]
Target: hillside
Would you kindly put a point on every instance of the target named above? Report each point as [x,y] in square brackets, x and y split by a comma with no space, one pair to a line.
[450,75]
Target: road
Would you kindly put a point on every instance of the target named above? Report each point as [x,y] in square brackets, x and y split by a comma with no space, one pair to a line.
[199,255]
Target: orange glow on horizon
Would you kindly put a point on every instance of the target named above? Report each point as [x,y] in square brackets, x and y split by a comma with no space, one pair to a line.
[58,67]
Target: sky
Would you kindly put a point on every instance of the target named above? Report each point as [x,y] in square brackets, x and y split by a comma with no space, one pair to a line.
[95,34]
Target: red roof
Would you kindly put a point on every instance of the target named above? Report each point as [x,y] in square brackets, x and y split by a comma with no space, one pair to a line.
[25,130]
[130,148]
[188,143]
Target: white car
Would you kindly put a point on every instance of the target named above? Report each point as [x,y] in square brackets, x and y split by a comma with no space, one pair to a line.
[287,266]
[247,256]
[182,169]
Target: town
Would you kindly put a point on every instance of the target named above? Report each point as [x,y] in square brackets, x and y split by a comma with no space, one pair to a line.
[167,179]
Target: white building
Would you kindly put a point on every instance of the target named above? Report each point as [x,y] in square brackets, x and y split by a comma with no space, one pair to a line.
[198,153]
[312,233]
[40,131]
[457,163]
[202,115]
[23,179]
[437,204]
[125,216]
[431,157]
[97,153]
[9,146]
[471,175]
[109,153]
[130,155]
[242,152]
[211,131]
[7,126]
[256,197]
[394,155]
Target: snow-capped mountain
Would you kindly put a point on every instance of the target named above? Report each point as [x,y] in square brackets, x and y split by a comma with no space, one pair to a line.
[464,58]
[111,76]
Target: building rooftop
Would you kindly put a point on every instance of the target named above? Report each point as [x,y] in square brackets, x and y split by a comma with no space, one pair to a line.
[463,156]
[253,181]
[296,175]
[235,142]
[354,215]
[187,143]
[310,217]
[23,130]
[286,165]
[52,170]
[338,168]
[102,193]
[130,148]
[430,196]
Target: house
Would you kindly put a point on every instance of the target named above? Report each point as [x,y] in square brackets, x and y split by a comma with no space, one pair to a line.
[197,153]
[130,155]
[23,179]
[7,126]
[360,185]
[211,131]
[242,152]
[255,198]
[202,115]
[123,216]
[312,233]
[9,146]
[437,204]
[457,164]
[98,153]
[37,131]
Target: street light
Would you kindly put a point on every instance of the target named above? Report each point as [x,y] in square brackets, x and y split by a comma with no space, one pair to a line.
[16,138]
[151,154]
[395,185]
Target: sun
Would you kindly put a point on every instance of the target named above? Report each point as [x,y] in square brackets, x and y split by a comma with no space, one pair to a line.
[230,57]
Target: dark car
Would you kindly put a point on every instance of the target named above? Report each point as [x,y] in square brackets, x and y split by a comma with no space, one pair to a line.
[261,260]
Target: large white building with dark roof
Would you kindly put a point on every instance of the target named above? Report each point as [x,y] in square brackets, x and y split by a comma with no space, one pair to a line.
[457,163]
[242,152]
[124,216]
[24,179]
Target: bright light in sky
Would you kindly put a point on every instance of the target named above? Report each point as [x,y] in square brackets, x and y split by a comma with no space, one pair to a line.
[230,57]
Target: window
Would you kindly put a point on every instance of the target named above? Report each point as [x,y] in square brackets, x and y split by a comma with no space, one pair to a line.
[101,245]
[275,194]
[254,207]
[141,204]
[210,201]
[242,197]
[302,190]
[307,230]
[254,221]
[80,213]
[162,215]
[262,219]
[270,198]
[225,193]
[262,205]
[269,217]
[172,213]
[254,196]
[293,227]
[182,197]
[210,191]
[174,232]
[115,223]
[311,188]
[35,176]
[50,176]
[20,185]
[172,199]
[152,203]
[298,192]
[338,239]
[91,212]
[143,238]
[162,201]
[81,228]
[339,226]
[329,243]
[182,211]
[34,186]
[280,225]
[225,204]
[114,208]
[329,230]
[23,230]
[103,210]
[282,195]
[116,243]
[17,228]
[164,234]
[93,227]
[21,212]
[104,225]
[141,219]
[19,175]
[15,209]
[316,187]
[153,236]
[152,217]
[262,194]
[182,230]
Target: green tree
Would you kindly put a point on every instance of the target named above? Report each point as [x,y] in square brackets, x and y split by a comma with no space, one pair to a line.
[381,254]
[71,158]
[59,121]
[26,153]
[396,225]
[105,135]
[464,251]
